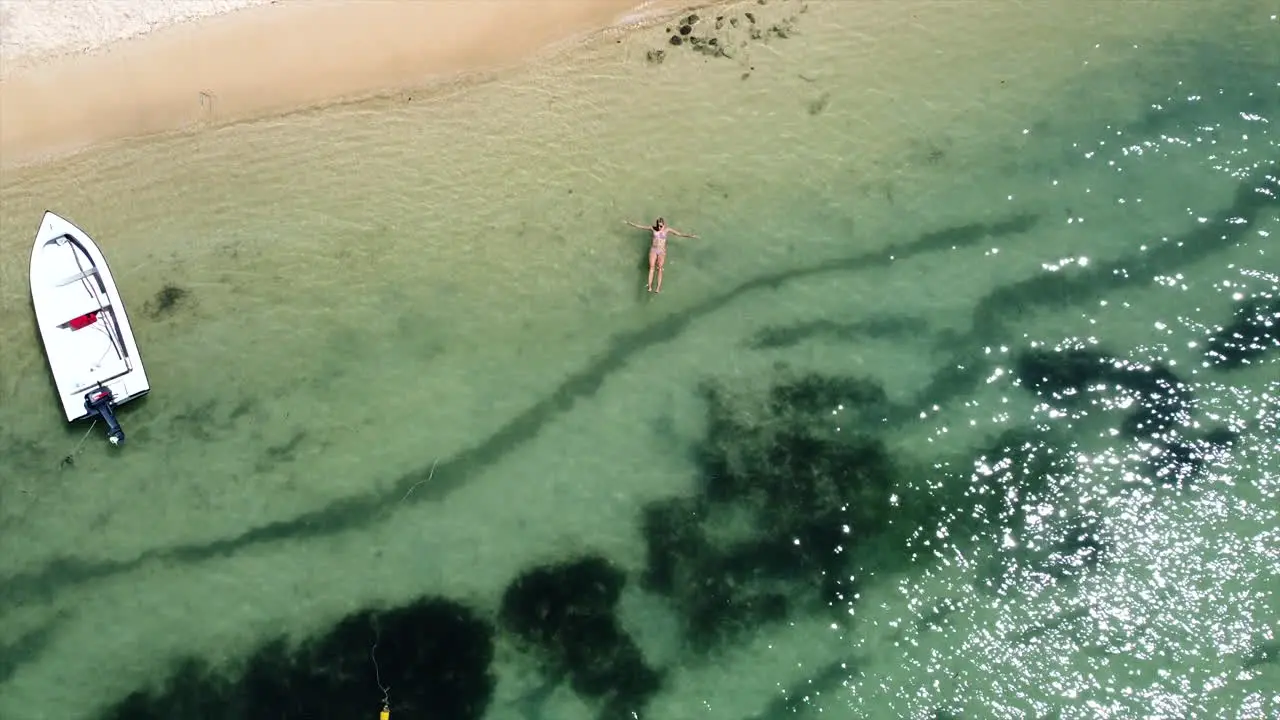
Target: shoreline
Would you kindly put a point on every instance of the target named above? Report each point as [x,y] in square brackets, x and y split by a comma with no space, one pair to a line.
[262,61]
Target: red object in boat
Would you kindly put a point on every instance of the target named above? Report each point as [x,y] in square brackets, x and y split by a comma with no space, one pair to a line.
[84,320]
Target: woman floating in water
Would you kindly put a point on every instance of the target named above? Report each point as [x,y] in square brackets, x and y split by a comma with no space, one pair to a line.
[658,250]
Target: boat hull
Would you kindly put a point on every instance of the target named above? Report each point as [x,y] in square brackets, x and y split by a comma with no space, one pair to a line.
[88,339]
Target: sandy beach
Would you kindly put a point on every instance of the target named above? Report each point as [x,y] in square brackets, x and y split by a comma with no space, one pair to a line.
[106,77]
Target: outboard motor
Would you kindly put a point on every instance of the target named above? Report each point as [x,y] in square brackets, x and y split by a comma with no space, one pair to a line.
[99,401]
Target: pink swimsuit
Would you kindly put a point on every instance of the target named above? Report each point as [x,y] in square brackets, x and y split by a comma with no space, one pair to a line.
[659,241]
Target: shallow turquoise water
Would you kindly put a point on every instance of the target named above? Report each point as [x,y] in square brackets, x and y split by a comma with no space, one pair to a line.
[415,357]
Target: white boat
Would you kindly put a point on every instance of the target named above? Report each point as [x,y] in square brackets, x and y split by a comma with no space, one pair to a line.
[87,337]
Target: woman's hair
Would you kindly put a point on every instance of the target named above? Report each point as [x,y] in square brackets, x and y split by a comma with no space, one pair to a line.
[658,222]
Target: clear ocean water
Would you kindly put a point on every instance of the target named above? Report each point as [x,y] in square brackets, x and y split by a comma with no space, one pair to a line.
[964,404]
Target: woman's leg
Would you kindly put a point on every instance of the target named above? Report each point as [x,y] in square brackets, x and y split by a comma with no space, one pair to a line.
[652,259]
[662,259]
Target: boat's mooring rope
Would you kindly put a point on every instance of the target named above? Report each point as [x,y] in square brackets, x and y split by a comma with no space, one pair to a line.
[71,459]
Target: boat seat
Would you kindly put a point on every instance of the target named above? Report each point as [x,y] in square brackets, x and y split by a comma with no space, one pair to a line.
[83,304]
[77,277]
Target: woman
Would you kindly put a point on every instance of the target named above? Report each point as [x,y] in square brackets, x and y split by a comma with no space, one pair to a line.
[658,250]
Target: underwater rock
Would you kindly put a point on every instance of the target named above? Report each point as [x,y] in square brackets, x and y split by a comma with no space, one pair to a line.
[1264,652]
[1164,401]
[1061,551]
[166,300]
[1063,374]
[433,656]
[1082,549]
[712,585]
[656,56]
[820,395]
[1221,437]
[1180,463]
[810,478]
[193,690]
[804,459]
[718,611]
[788,490]
[672,533]
[725,40]
[1253,331]
[1018,472]
[1071,376]
[818,104]
[540,604]
[436,654]
[567,611]
[721,448]
[1161,412]
[809,557]
[15,651]
[1016,465]
[783,29]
